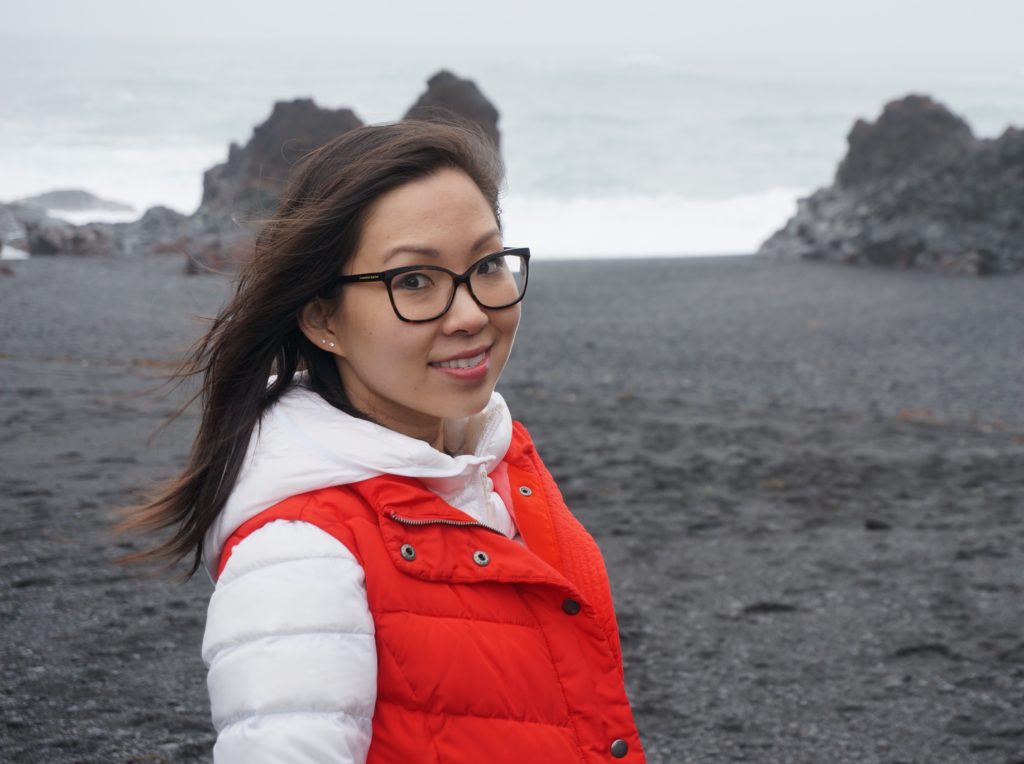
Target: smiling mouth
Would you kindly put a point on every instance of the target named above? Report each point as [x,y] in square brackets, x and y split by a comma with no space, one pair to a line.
[462,363]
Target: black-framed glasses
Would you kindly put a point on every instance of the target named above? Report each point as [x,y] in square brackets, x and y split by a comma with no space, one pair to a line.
[422,293]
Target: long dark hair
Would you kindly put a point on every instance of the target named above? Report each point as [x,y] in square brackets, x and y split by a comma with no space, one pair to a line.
[298,255]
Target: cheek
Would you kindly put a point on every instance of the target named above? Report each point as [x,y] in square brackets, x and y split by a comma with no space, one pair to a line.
[401,347]
[509,323]
[358,322]
[377,339]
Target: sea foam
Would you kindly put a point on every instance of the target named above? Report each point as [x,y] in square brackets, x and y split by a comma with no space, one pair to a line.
[646,226]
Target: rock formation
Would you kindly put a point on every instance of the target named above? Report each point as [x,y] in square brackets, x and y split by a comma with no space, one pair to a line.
[917,189]
[246,188]
[251,180]
[56,237]
[448,96]
[30,229]
[237,194]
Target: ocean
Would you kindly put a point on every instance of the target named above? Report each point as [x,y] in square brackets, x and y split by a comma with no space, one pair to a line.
[662,154]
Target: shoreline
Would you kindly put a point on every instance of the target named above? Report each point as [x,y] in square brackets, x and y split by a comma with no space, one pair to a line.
[544,258]
[806,481]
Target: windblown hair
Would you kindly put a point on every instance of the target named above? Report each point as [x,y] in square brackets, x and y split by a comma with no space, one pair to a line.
[299,254]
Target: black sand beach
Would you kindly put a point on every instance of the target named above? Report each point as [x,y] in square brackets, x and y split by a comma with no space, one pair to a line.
[807,480]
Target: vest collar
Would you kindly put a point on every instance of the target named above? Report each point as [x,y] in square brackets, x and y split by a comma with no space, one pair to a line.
[446,544]
[303,444]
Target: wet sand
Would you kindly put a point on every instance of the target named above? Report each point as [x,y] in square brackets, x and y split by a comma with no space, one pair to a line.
[807,480]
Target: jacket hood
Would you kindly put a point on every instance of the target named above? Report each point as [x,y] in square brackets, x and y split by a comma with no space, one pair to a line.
[303,443]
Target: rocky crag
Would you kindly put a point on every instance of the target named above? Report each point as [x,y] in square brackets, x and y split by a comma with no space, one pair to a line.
[916,189]
[448,96]
[237,194]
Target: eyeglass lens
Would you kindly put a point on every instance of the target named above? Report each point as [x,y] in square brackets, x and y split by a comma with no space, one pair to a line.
[496,282]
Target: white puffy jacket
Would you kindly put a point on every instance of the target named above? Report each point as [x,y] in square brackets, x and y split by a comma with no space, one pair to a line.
[289,637]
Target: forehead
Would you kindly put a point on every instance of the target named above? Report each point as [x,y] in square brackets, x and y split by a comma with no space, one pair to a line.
[444,212]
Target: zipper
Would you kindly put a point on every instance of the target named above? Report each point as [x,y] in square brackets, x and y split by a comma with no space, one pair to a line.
[438,521]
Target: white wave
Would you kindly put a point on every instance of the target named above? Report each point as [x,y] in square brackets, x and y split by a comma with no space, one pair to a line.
[80,217]
[142,176]
[646,226]
[7,252]
[624,226]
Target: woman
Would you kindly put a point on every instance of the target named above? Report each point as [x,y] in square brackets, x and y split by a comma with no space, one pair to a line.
[397,576]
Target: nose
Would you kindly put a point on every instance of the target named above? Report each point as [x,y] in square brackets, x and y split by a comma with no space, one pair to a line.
[464,315]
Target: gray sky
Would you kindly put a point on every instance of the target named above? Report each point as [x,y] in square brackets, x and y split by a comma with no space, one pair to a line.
[949,31]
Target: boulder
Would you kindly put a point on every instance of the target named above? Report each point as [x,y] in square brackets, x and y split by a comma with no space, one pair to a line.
[160,230]
[916,189]
[55,237]
[448,97]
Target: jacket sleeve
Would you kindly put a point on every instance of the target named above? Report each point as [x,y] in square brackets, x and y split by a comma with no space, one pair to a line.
[290,648]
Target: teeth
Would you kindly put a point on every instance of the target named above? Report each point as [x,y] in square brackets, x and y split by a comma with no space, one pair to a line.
[462,363]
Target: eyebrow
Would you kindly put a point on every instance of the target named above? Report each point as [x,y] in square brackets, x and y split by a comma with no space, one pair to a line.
[431,252]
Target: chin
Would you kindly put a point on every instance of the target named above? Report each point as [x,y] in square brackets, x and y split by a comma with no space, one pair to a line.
[469,405]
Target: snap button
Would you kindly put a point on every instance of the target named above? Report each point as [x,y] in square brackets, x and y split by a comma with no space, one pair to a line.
[408,552]
[525,490]
[619,748]
[570,606]
[481,558]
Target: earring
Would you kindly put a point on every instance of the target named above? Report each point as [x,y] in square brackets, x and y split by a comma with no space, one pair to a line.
[325,342]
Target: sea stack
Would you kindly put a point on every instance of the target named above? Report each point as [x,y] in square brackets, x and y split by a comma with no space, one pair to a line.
[916,189]
[240,192]
[448,96]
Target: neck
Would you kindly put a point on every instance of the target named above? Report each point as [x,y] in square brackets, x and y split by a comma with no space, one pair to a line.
[430,431]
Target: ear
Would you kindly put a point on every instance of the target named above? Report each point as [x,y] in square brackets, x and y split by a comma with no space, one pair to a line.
[315,323]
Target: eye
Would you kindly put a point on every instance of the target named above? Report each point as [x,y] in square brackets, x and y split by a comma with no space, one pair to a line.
[412,281]
[491,265]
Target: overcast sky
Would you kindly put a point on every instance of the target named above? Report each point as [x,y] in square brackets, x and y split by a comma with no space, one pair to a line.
[980,31]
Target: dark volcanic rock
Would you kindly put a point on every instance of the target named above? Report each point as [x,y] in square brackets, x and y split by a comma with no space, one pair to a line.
[917,189]
[246,188]
[911,133]
[30,228]
[160,231]
[55,237]
[448,96]
[251,180]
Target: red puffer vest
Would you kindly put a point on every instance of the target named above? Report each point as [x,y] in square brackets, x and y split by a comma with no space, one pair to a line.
[487,650]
